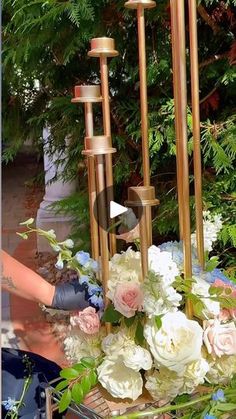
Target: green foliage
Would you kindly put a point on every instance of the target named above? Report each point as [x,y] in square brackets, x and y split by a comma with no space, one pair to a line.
[45,48]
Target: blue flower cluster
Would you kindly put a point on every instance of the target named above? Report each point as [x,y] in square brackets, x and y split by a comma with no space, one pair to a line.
[218,396]
[10,404]
[88,280]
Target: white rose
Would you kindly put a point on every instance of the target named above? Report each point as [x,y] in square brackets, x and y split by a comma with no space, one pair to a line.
[137,358]
[221,370]
[176,343]
[195,374]
[201,288]
[118,380]
[163,384]
[162,264]
[115,343]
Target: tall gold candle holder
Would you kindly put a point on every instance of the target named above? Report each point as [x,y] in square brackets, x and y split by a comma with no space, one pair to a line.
[98,147]
[196,128]
[178,22]
[88,95]
[140,5]
[143,198]
[103,48]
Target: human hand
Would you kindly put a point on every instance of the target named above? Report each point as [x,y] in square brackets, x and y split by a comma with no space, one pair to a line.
[70,296]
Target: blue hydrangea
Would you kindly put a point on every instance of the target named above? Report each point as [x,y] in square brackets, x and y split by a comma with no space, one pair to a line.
[93,264]
[9,404]
[217,274]
[97,300]
[82,257]
[94,288]
[208,416]
[83,279]
[219,395]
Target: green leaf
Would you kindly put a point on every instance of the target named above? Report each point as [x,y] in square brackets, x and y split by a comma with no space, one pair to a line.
[212,263]
[24,236]
[77,393]
[65,401]
[111,315]
[69,373]
[158,321]
[129,321]
[226,407]
[88,362]
[79,367]
[93,378]
[86,384]
[139,338]
[60,386]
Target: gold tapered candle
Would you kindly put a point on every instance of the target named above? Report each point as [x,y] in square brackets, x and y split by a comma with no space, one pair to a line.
[177,117]
[196,128]
[140,5]
[179,22]
[103,48]
[88,95]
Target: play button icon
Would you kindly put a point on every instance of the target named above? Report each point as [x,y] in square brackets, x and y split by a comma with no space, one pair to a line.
[116,209]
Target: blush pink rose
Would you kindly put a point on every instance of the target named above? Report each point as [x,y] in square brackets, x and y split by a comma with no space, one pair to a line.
[226,313]
[87,320]
[220,339]
[128,298]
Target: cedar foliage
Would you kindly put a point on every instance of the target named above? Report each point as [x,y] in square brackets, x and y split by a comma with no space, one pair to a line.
[45,46]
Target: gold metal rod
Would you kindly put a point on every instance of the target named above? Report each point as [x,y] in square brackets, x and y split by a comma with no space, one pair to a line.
[196,128]
[92,185]
[144,110]
[103,235]
[183,149]
[177,118]
[143,241]
[107,131]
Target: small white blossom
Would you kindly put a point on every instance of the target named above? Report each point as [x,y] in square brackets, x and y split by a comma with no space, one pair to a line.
[162,264]
[163,384]
[194,375]
[78,345]
[221,370]
[212,224]
[201,288]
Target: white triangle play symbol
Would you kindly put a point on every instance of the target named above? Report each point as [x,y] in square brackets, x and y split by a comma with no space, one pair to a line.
[116,209]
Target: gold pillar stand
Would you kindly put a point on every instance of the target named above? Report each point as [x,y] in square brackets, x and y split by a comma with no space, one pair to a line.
[89,95]
[99,147]
[142,197]
[140,5]
[178,23]
[196,129]
[103,48]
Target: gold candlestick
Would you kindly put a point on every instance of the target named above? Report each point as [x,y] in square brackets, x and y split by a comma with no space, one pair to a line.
[178,22]
[88,95]
[196,128]
[140,5]
[104,48]
[142,197]
[179,164]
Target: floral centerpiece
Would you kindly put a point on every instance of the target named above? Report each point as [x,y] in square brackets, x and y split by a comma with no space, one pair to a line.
[153,346]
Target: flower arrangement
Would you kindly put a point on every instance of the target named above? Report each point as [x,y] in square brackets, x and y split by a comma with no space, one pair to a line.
[153,346]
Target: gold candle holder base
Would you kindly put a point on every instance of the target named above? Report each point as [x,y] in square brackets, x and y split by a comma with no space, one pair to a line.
[87,94]
[103,47]
[141,196]
[97,145]
[146,4]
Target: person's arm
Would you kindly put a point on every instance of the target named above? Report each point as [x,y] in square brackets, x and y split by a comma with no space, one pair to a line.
[22,281]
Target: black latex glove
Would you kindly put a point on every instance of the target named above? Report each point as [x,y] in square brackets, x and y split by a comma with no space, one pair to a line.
[70,296]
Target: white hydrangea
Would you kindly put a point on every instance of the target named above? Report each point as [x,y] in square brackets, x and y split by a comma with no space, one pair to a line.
[162,264]
[194,375]
[119,380]
[159,298]
[201,287]
[177,343]
[212,224]
[163,384]
[78,344]
[124,267]
[221,370]
[115,343]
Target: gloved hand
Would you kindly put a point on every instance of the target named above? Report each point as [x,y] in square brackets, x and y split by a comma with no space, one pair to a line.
[70,296]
